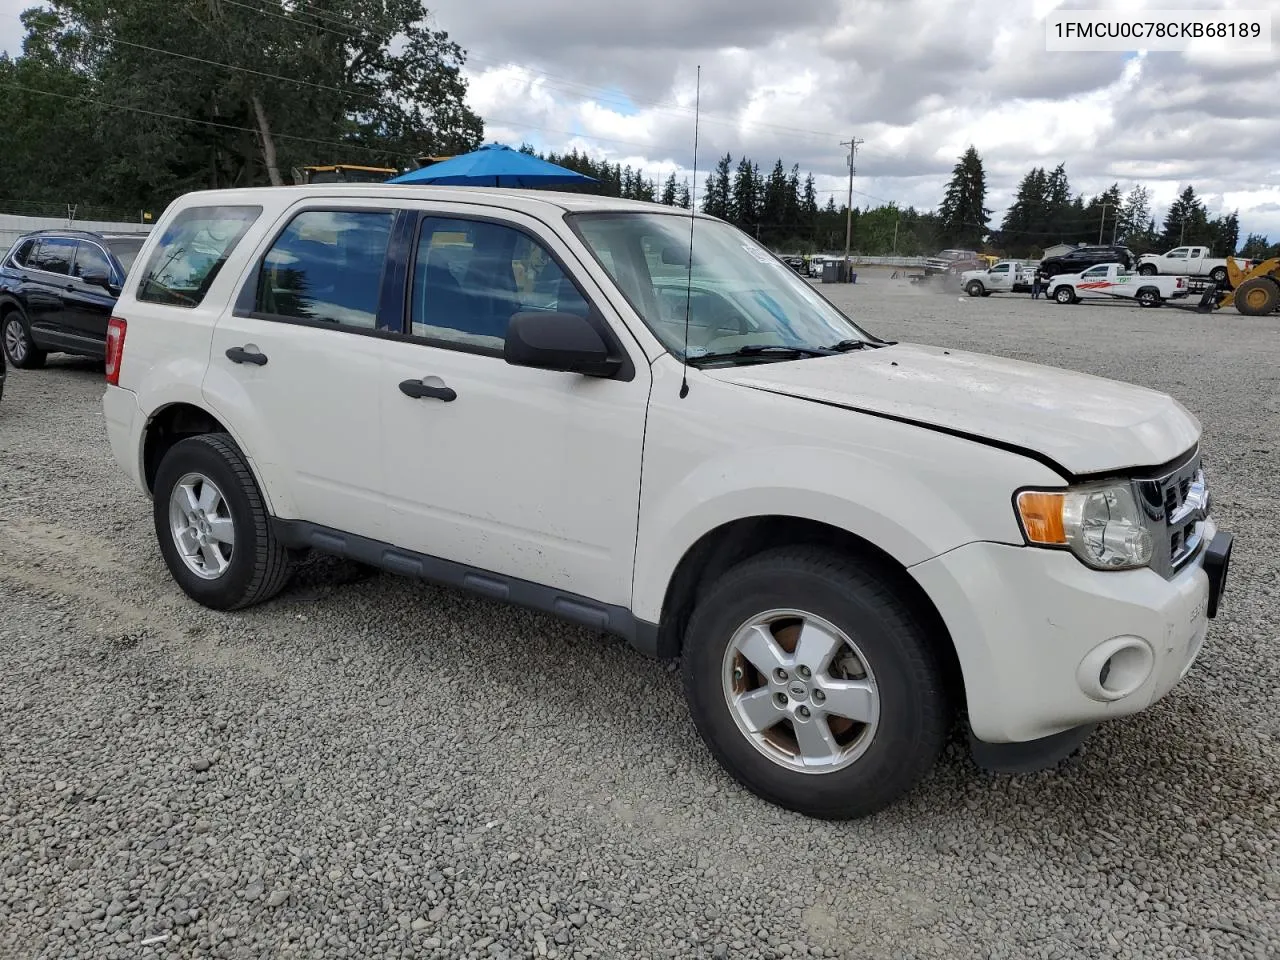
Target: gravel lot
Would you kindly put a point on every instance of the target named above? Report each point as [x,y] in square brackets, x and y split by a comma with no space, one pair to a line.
[370,766]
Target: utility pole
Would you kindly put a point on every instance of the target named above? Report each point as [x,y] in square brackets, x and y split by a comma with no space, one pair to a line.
[1103,224]
[852,143]
[895,237]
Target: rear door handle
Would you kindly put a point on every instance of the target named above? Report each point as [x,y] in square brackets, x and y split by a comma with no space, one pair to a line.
[418,390]
[241,355]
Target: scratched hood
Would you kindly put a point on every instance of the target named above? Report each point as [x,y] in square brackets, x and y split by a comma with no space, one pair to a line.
[1083,423]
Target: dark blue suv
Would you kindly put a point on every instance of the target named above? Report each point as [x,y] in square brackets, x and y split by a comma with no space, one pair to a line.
[57,290]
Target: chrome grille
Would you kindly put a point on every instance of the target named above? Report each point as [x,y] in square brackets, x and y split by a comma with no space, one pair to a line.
[1177,505]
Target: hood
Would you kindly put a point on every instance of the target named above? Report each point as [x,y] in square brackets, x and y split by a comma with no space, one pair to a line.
[1083,424]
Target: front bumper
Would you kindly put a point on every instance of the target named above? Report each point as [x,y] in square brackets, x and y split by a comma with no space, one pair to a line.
[124,420]
[1047,644]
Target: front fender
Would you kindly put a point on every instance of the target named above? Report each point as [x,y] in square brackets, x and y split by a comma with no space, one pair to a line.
[911,507]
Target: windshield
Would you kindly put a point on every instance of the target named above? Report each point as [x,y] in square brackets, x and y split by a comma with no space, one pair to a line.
[740,296]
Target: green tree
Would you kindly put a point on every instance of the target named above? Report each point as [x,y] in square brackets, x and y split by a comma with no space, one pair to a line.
[682,195]
[744,203]
[1224,233]
[216,94]
[669,190]
[1187,221]
[716,192]
[963,211]
[1255,247]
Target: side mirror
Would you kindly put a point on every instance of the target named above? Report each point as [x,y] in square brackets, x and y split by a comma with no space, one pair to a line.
[558,341]
[96,278]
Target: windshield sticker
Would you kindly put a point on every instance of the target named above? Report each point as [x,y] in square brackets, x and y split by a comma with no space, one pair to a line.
[761,255]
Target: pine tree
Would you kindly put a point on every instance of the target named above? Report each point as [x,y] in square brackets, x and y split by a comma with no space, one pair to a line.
[669,190]
[1187,222]
[773,210]
[1255,247]
[682,195]
[1225,234]
[715,198]
[963,213]
[744,204]
[1134,212]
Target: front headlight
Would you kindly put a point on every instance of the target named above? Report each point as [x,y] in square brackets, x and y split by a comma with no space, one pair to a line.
[1102,525]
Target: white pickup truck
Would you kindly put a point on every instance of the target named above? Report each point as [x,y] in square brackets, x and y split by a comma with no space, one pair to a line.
[1112,280]
[1007,276]
[1185,262]
[550,400]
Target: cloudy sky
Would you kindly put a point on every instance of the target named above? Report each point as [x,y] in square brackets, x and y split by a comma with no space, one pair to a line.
[917,80]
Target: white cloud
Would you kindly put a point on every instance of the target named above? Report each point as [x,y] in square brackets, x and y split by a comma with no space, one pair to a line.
[919,80]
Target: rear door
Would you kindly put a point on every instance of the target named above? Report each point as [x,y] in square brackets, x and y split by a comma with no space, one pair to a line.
[300,360]
[47,277]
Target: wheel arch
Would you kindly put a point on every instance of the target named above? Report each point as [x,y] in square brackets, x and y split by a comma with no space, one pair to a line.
[176,421]
[731,542]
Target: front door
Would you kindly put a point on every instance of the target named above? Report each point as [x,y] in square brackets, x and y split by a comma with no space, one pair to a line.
[87,306]
[314,314]
[998,278]
[528,473]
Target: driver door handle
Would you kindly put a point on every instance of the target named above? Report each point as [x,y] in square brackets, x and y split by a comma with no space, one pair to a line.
[241,355]
[419,390]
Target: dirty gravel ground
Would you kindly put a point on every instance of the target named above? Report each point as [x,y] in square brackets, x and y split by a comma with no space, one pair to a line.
[373,767]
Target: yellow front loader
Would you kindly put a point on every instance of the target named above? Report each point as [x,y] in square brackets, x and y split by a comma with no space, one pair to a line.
[1254,292]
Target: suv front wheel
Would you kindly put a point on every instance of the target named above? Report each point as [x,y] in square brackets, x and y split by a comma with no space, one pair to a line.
[213,527]
[813,683]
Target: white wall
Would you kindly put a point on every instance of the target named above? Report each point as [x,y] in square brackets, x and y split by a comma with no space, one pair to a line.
[13,226]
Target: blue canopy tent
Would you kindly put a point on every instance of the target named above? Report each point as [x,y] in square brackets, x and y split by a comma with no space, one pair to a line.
[494,165]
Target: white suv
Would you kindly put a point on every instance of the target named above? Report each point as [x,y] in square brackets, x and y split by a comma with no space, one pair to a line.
[547,400]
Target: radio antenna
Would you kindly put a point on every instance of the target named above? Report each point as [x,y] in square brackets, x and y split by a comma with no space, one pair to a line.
[693,213]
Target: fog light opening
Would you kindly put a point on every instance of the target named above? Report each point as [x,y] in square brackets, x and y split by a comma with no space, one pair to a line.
[1116,669]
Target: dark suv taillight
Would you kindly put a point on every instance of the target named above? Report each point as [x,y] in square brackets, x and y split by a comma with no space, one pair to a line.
[115,349]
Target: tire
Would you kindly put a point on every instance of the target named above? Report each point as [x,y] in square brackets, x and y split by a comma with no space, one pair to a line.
[257,566]
[974,289]
[1218,275]
[1147,270]
[1149,297]
[1065,294]
[878,762]
[20,350]
[1257,297]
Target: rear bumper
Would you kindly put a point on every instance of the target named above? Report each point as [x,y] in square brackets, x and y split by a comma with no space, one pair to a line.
[1047,644]
[124,420]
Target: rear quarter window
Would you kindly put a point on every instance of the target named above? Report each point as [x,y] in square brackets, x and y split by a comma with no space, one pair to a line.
[191,252]
[21,252]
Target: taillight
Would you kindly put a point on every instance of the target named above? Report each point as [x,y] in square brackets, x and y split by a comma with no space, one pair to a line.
[115,349]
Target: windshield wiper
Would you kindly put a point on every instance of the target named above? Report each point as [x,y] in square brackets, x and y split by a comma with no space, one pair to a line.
[853,344]
[760,349]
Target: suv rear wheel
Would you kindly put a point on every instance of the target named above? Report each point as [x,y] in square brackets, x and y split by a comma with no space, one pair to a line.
[18,345]
[213,527]
[814,685]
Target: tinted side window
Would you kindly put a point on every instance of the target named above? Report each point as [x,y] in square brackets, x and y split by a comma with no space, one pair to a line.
[91,259]
[24,250]
[191,251]
[53,255]
[327,266]
[470,278]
